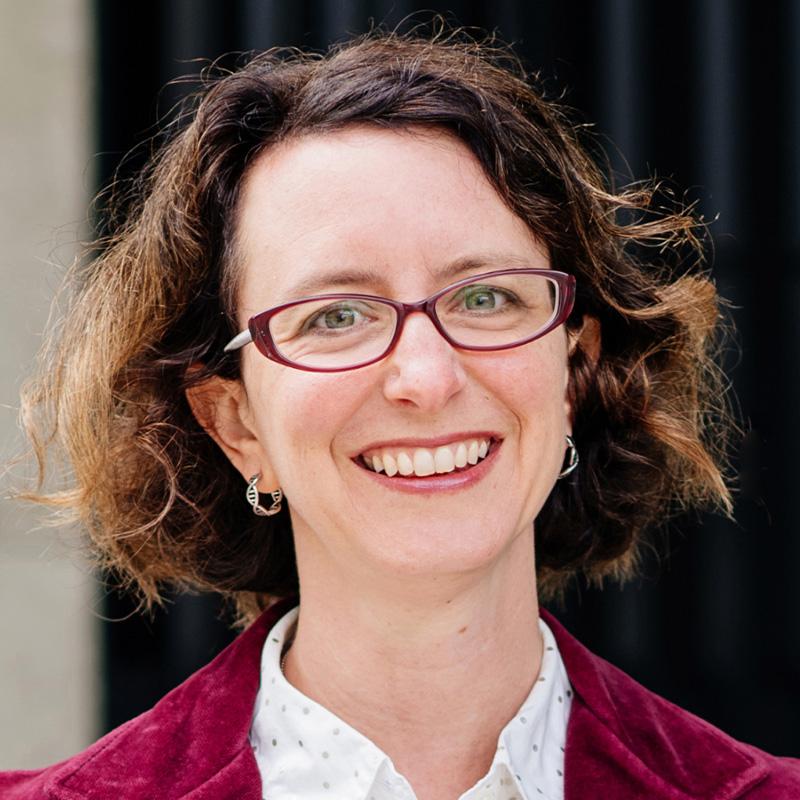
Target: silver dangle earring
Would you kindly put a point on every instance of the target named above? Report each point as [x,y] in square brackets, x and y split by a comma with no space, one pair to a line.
[252,498]
[573,459]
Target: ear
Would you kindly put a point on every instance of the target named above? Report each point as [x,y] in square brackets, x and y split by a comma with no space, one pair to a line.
[588,340]
[222,409]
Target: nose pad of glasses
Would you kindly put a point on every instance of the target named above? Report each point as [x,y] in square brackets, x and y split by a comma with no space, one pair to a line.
[419,329]
[426,370]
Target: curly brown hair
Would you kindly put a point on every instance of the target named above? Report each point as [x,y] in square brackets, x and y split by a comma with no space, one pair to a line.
[148,318]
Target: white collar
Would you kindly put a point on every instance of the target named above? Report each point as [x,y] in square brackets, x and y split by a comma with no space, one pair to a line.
[305,751]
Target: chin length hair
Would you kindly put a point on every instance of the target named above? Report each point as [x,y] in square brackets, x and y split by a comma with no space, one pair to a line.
[149,312]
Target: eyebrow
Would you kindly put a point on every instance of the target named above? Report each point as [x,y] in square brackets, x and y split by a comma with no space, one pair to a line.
[342,279]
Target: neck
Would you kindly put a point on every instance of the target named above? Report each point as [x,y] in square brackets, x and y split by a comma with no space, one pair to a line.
[430,670]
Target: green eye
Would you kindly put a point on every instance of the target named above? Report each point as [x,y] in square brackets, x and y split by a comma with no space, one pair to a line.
[337,318]
[480,298]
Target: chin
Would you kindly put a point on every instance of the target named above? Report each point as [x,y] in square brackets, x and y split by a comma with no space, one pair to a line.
[437,550]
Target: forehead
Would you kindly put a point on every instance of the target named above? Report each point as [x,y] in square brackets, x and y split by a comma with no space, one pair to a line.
[400,205]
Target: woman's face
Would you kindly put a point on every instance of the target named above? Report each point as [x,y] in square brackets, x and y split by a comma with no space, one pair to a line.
[390,213]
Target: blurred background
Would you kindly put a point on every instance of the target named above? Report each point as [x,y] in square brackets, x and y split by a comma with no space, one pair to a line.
[705,93]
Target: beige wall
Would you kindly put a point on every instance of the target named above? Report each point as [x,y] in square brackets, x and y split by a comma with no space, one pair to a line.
[48,600]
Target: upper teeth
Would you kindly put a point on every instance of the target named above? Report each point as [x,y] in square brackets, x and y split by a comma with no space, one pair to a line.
[423,461]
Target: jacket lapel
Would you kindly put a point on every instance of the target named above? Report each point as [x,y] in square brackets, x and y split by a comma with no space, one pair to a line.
[625,742]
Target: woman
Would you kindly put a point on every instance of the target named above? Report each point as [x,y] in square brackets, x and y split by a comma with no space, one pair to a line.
[371,326]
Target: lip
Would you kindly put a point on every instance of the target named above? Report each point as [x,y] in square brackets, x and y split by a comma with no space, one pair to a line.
[445,482]
[430,443]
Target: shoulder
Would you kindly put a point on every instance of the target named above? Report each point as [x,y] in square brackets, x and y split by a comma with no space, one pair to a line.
[634,743]
[782,781]
[193,743]
[44,783]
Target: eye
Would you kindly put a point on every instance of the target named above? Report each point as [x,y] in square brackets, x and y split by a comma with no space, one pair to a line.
[338,317]
[484,298]
[335,318]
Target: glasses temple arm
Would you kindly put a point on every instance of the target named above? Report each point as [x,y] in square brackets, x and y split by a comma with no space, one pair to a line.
[238,341]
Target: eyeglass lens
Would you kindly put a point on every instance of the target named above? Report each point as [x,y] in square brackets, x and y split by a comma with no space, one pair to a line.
[344,332]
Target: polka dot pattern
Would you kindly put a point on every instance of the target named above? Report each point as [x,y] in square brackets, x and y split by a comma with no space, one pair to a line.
[305,751]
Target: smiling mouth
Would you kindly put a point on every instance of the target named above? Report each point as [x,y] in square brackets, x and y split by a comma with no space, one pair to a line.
[422,462]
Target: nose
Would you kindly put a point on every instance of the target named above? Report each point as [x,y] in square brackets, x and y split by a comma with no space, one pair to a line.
[424,370]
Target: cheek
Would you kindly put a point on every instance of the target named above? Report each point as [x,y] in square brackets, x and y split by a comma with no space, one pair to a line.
[532,386]
[532,381]
[298,415]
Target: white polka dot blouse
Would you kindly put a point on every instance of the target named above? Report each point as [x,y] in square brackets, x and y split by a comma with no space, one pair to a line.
[305,752]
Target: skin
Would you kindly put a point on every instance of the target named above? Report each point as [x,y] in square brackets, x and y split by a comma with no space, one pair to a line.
[417,623]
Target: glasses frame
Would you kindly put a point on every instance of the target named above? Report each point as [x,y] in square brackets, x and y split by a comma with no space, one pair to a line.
[258,326]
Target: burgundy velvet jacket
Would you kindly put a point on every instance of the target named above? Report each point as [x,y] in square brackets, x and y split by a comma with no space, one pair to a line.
[623,742]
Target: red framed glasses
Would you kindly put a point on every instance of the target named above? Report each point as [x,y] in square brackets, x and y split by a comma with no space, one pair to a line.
[339,332]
